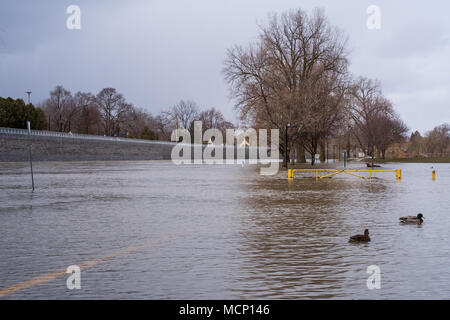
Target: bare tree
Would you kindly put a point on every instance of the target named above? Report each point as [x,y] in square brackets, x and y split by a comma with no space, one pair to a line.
[324,114]
[60,109]
[213,118]
[375,124]
[366,105]
[136,121]
[112,107]
[88,119]
[389,129]
[183,114]
[437,141]
[415,144]
[272,79]
[163,126]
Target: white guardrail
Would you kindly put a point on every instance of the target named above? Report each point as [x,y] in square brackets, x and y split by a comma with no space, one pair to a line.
[78,136]
[68,135]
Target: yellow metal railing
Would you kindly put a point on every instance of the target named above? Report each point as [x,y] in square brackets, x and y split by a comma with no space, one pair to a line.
[332,172]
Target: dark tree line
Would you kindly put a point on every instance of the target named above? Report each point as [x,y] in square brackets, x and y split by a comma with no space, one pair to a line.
[15,114]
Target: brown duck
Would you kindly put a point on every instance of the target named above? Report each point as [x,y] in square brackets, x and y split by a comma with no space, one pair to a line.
[361,237]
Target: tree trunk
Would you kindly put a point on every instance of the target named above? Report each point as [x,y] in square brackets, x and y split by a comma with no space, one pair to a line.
[322,152]
[349,147]
[300,151]
[314,152]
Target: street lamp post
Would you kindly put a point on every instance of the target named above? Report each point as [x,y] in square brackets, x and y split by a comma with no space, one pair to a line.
[29,96]
[286,146]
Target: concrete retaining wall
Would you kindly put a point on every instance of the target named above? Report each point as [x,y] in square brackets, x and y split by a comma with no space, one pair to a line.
[15,148]
[55,146]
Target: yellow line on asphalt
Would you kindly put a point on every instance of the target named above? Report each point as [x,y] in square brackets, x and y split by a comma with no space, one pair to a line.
[51,276]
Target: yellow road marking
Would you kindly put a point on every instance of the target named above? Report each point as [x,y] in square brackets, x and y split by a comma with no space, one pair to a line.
[51,276]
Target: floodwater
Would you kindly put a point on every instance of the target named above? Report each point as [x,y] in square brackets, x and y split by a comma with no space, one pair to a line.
[153,230]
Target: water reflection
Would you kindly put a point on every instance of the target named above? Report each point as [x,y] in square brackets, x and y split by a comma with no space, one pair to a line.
[295,241]
[255,236]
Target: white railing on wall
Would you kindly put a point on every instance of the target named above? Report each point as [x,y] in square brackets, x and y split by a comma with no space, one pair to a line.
[95,137]
[78,136]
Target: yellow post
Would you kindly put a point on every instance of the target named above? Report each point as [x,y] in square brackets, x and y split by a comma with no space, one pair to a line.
[433,175]
[317,175]
[290,174]
[398,174]
[370,174]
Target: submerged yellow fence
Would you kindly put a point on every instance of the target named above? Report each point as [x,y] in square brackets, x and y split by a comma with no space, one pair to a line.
[332,172]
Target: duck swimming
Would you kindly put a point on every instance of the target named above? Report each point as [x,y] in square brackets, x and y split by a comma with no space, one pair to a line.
[361,237]
[412,219]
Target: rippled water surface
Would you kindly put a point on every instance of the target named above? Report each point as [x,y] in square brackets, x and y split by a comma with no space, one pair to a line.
[220,232]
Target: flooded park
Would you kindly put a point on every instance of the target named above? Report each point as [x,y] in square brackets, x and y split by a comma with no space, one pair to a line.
[153,230]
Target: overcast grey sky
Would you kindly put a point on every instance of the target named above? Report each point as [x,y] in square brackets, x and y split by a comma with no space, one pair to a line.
[158,52]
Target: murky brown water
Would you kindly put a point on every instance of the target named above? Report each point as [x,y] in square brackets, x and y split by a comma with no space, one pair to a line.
[221,232]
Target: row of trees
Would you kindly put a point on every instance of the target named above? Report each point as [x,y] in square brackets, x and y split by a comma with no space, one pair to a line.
[435,143]
[295,78]
[185,113]
[108,113]
[369,124]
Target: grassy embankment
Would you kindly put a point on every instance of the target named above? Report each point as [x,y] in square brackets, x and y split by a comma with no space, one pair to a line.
[333,165]
[415,160]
